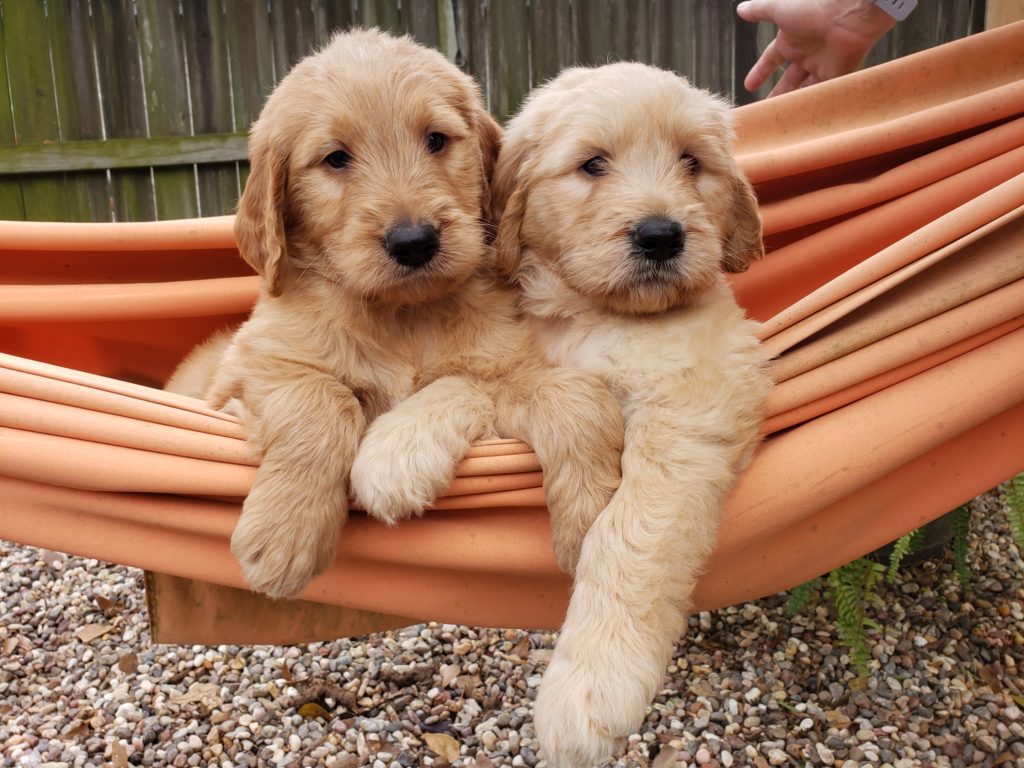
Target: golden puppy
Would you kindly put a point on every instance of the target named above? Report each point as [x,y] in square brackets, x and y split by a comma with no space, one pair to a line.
[620,207]
[382,345]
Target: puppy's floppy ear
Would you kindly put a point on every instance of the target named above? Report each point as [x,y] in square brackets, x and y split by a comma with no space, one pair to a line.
[259,223]
[743,243]
[488,133]
[508,204]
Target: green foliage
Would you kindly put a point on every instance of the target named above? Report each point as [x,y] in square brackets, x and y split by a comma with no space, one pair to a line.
[1015,509]
[961,543]
[851,587]
[799,595]
[905,544]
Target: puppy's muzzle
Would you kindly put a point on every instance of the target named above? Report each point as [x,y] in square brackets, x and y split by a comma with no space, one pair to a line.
[412,245]
[658,238]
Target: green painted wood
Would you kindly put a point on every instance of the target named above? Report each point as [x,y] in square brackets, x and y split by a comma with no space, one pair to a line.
[211,95]
[161,49]
[551,36]
[122,153]
[119,69]
[714,25]
[78,105]
[12,206]
[639,38]
[115,51]
[509,65]
[251,68]
[422,22]
[329,18]
[32,98]
[293,30]
[447,32]
[385,14]
[471,46]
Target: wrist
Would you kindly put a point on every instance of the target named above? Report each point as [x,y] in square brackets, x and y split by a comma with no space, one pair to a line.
[897,9]
[865,19]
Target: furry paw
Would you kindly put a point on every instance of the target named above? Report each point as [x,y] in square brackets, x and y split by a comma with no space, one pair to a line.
[280,546]
[580,719]
[591,699]
[391,479]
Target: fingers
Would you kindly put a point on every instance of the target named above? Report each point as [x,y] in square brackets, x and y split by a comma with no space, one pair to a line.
[770,61]
[755,10]
[792,78]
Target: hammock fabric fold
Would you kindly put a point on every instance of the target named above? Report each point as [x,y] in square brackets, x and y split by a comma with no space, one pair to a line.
[892,298]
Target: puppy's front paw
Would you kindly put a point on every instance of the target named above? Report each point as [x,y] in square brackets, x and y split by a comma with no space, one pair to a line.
[586,707]
[391,479]
[282,546]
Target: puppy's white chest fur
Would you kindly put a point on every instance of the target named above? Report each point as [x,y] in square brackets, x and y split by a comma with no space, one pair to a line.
[709,344]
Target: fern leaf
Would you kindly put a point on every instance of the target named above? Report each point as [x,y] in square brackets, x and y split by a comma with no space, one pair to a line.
[799,595]
[847,590]
[905,544]
[1015,509]
[961,543]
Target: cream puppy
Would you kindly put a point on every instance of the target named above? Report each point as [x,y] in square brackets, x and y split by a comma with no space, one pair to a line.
[620,207]
[382,345]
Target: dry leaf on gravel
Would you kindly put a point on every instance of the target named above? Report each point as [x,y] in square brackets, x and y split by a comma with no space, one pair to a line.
[108,606]
[522,649]
[990,676]
[201,693]
[128,663]
[311,710]
[118,755]
[52,558]
[443,744]
[90,632]
[666,758]
[448,673]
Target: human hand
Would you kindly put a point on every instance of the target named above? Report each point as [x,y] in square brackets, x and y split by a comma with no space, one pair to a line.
[819,39]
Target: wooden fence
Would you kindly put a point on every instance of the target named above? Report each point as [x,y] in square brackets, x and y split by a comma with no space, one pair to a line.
[123,110]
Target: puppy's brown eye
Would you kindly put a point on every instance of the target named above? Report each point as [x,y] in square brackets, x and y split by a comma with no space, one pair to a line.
[338,159]
[436,142]
[691,163]
[595,166]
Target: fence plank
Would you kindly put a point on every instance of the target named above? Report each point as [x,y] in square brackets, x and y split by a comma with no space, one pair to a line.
[117,66]
[384,14]
[210,94]
[293,27]
[422,22]
[78,104]
[472,50]
[33,105]
[509,71]
[123,153]
[551,34]
[713,46]
[163,71]
[329,18]
[12,206]
[251,69]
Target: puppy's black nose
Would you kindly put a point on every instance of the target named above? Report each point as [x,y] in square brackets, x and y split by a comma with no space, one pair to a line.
[658,238]
[411,245]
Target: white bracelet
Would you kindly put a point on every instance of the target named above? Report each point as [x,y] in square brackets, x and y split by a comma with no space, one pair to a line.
[898,9]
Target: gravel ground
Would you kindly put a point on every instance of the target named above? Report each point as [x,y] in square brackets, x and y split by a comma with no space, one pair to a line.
[81,685]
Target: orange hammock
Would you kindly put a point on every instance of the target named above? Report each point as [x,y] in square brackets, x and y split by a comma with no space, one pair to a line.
[893,296]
